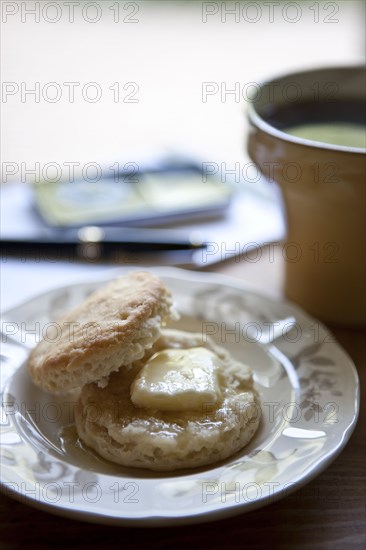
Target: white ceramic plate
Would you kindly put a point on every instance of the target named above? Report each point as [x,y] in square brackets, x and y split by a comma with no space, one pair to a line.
[309,393]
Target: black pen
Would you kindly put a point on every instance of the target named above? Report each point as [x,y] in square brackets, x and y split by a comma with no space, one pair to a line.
[104,241]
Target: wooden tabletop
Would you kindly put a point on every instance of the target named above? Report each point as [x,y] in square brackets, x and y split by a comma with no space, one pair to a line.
[327,513]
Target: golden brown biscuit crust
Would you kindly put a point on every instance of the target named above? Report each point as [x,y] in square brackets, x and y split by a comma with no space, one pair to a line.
[112,327]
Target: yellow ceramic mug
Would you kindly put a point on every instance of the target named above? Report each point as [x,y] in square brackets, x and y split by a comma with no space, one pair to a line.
[322,177]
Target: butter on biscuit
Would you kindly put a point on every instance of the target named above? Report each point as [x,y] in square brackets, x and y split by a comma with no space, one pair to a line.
[165,399]
[177,380]
[186,404]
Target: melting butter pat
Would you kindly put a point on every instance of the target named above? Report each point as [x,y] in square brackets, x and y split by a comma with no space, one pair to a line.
[177,380]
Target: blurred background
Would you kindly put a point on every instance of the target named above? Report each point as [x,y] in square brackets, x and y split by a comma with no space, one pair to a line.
[99,83]
[168,50]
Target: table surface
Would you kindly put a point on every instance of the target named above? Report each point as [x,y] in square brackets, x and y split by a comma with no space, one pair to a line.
[329,512]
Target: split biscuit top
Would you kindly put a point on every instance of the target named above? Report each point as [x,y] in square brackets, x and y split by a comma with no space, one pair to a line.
[111,328]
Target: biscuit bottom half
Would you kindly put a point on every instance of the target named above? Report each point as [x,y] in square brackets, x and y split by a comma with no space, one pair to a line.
[110,424]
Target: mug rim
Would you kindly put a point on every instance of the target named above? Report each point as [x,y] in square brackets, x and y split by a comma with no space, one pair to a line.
[257,120]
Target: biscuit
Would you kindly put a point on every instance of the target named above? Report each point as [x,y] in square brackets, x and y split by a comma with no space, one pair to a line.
[109,423]
[111,328]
